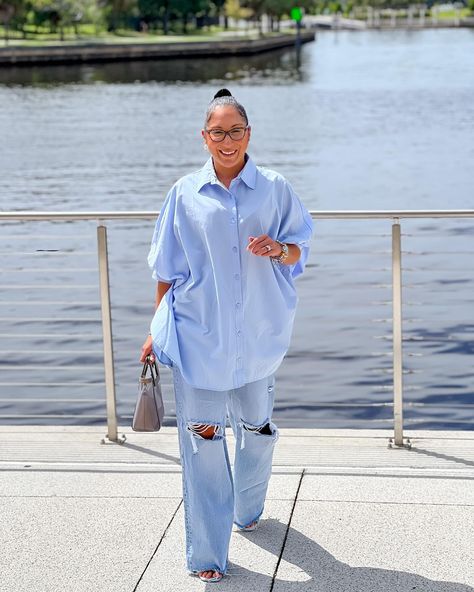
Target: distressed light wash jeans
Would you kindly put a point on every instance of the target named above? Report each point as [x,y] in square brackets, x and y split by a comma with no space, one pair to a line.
[213,497]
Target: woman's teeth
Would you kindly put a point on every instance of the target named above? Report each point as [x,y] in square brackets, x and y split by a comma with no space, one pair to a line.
[228,153]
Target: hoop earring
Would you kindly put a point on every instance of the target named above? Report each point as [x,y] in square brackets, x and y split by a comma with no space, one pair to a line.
[204,147]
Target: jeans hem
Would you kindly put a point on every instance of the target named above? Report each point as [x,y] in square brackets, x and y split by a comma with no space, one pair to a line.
[213,567]
[250,521]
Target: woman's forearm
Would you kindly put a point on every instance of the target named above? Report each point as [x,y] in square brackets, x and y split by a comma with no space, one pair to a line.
[294,253]
[147,347]
[161,289]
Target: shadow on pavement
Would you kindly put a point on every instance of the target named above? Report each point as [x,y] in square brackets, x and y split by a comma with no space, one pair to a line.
[318,570]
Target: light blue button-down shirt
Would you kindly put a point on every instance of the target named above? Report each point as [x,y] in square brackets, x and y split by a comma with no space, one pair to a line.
[228,317]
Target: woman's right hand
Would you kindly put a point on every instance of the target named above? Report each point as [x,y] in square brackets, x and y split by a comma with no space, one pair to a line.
[147,350]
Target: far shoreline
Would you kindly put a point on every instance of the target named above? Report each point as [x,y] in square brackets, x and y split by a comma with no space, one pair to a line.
[77,53]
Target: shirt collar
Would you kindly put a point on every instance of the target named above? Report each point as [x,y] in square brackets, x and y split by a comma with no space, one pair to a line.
[208,175]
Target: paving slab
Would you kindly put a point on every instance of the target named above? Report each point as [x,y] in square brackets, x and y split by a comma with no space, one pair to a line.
[95,530]
[253,556]
[403,489]
[360,547]
[91,484]
[126,484]
[79,544]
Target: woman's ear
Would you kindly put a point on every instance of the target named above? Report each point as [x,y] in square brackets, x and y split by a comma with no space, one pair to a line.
[249,131]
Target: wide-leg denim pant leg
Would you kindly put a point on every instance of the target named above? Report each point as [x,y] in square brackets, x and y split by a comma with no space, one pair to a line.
[207,479]
[250,410]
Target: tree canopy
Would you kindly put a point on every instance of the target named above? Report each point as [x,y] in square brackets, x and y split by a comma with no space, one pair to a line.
[36,16]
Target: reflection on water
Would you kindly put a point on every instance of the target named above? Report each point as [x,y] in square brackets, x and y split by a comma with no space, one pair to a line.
[279,67]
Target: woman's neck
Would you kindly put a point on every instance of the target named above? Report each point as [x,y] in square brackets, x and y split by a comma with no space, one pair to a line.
[225,175]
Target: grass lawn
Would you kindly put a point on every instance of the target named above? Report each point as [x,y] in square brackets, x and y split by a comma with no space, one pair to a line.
[452,14]
[87,35]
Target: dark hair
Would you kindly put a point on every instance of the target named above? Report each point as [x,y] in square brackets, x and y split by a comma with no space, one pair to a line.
[222,98]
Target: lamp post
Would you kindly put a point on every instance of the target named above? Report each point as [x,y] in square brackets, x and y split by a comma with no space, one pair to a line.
[296,15]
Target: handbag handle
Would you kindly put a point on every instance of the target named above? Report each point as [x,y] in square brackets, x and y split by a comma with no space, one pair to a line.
[153,369]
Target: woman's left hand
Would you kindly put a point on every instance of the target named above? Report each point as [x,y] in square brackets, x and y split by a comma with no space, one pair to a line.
[263,246]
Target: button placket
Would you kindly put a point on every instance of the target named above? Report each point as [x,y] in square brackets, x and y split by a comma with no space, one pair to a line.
[238,298]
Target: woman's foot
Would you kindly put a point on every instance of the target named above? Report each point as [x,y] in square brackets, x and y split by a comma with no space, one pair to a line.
[210,575]
[250,527]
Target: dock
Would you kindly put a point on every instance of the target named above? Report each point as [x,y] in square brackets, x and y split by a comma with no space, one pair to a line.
[345,512]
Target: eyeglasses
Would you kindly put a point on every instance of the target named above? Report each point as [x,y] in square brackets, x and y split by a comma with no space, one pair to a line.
[236,133]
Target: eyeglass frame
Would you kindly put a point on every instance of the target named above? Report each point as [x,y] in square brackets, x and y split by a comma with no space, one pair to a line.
[227,133]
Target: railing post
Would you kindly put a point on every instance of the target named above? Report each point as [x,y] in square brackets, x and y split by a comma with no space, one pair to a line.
[397,332]
[107,335]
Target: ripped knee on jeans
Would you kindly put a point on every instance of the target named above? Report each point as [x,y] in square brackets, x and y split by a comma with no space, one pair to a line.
[206,431]
[264,429]
[267,428]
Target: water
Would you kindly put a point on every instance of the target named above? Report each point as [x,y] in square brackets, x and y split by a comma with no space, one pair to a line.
[360,120]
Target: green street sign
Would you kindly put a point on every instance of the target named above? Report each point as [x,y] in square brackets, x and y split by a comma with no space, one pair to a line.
[296,14]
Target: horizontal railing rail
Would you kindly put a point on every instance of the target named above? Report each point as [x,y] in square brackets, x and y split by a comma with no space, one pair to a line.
[317,214]
[102,216]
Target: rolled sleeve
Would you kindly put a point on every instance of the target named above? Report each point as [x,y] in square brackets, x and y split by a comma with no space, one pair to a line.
[296,228]
[167,258]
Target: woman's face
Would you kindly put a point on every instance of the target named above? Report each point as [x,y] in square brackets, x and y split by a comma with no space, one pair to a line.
[228,154]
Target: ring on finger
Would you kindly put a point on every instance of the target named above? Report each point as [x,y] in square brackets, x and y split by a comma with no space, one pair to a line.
[268,247]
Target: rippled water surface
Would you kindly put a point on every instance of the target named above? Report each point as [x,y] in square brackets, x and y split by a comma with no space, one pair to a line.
[359,120]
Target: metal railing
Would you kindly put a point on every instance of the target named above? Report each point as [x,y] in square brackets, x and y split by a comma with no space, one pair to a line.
[100,217]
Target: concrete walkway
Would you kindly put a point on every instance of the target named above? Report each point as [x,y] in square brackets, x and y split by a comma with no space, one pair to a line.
[344,513]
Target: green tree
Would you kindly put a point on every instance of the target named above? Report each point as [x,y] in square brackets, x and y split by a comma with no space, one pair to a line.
[151,11]
[234,10]
[59,14]
[188,8]
[12,12]
[257,8]
[119,13]
[7,10]
[276,9]
[219,6]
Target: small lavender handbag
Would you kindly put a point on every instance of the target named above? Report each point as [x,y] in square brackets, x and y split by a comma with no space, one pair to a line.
[149,410]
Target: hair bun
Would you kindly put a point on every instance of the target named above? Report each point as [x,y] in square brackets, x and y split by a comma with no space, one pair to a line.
[223,92]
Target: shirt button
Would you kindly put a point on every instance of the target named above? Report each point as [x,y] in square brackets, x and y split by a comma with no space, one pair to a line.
[232,220]
[234,249]
[237,305]
[239,333]
[236,276]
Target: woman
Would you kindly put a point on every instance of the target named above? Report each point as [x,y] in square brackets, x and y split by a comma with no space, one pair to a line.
[228,243]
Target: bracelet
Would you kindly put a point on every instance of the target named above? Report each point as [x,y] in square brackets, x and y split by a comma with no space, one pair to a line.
[284,253]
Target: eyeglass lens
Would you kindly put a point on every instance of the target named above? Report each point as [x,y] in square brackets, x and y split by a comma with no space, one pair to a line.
[235,134]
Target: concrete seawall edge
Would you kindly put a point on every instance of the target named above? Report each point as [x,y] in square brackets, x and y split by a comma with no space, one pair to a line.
[89,53]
